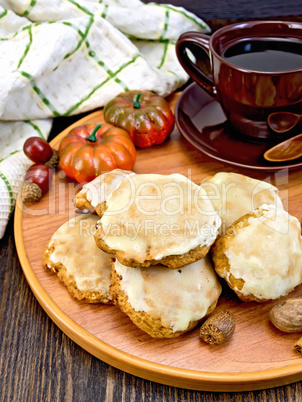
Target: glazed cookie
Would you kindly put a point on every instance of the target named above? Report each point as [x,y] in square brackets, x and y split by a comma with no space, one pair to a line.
[234,195]
[162,302]
[155,219]
[93,194]
[261,255]
[73,255]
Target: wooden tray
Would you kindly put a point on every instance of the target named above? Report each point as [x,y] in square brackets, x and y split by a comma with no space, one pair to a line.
[257,356]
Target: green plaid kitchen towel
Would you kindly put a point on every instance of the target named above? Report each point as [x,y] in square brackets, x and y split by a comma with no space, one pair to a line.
[65,57]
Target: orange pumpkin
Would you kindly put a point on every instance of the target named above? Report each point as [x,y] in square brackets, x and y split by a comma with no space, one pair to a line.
[91,149]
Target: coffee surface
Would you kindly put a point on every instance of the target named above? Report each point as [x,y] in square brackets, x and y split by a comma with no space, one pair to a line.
[265,54]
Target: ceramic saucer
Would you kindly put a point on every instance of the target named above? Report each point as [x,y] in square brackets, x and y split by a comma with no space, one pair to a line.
[201,120]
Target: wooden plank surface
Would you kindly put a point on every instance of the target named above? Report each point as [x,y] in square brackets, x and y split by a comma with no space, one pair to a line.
[256,345]
[38,362]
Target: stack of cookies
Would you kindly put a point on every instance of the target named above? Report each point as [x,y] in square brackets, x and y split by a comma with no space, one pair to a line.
[150,240]
[159,230]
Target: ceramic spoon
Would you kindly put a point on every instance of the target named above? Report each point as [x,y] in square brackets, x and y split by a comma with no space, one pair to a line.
[285,151]
[281,122]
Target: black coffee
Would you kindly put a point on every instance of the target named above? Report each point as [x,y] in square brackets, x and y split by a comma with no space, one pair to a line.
[265,55]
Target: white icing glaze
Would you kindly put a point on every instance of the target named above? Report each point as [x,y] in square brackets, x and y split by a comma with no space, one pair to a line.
[233,195]
[75,248]
[267,254]
[98,190]
[150,216]
[175,296]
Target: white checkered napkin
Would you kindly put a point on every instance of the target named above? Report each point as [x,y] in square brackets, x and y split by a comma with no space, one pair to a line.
[132,17]
[13,162]
[68,67]
[64,57]
[63,72]
[11,177]
[10,22]
[54,10]
[154,21]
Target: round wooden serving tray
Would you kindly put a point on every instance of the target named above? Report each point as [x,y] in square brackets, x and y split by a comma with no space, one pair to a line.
[257,355]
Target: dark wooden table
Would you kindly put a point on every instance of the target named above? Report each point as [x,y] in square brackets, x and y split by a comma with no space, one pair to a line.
[38,362]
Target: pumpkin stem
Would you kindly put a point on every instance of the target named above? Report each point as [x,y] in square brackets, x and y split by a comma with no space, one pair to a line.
[91,137]
[136,104]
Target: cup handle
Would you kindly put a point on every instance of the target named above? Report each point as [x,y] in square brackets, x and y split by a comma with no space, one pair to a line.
[189,40]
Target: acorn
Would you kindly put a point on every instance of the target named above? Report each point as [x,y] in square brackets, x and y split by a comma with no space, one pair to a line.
[30,192]
[38,177]
[53,162]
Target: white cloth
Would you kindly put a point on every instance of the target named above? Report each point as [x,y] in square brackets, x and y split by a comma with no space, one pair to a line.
[65,57]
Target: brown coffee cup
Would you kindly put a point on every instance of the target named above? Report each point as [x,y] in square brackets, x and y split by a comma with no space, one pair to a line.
[255,70]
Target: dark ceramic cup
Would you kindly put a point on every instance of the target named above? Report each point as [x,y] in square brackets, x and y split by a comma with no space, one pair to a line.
[255,69]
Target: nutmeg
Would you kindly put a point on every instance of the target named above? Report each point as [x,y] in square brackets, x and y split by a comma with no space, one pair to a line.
[287,315]
[298,345]
[218,327]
